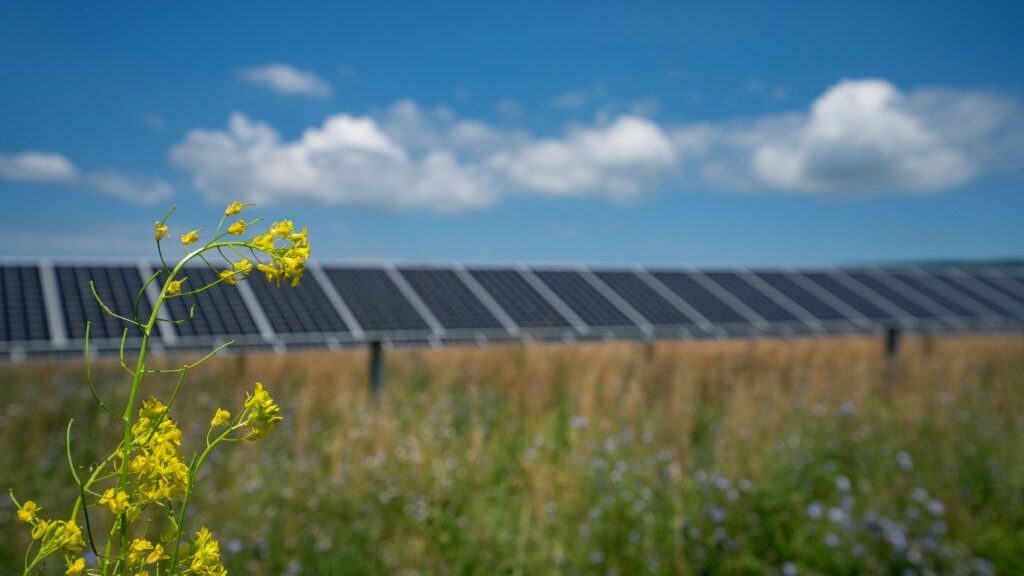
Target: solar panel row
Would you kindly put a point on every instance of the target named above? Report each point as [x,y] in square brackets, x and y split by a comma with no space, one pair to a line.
[351,304]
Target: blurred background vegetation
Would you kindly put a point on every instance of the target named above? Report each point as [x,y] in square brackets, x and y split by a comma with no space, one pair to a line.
[761,457]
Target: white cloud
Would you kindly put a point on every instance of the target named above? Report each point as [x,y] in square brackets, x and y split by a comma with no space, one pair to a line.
[36,166]
[54,168]
[614,160]
[285,79]
[131,188]
[858,137]
[347,160]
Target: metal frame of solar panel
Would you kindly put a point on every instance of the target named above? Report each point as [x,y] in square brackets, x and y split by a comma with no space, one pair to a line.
[43,302]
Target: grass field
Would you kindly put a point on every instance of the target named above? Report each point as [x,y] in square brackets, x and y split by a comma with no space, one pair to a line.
[765,457]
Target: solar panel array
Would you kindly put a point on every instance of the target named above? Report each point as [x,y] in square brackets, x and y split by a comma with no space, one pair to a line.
[44,306]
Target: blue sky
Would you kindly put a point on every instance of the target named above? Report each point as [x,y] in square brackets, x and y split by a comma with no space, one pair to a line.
[731,133]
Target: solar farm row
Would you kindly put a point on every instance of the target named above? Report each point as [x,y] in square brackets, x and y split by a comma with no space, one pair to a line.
[44,306]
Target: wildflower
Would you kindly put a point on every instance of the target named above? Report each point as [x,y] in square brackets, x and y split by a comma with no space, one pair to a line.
[238,228]
[243,266]
[156,555]
[264,241]
[60,535]
[233,208]
[138,550]
[28,511]
[263,413]
[293,267]
[76,568]
[205,558]
[283,229]
[271,271]
[190,237]
[174,287]
[160,473]
[116,500]
[161,231]
[227,277]
[220,418]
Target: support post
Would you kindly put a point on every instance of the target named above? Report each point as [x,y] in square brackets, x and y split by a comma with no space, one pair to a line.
[376,367]
[892,342]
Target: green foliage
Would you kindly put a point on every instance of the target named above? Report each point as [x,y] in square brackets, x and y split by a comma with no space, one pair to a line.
[785,459]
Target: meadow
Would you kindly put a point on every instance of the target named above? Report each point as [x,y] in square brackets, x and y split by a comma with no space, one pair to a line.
[741,457]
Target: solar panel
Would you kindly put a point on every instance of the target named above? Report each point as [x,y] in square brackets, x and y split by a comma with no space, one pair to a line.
[219,311]
[521,301]
[644,299]
[116,285]
[450,300]
[584,300]
[978,292]
[1000,285]
[753,298]
[801,296]
[710,305]
[1016,281]
[850,297]
[22,309]
[938,294]
[874,282]
[297,309]
[375,301]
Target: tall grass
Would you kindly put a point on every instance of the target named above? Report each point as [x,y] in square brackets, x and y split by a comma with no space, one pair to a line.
[810,457]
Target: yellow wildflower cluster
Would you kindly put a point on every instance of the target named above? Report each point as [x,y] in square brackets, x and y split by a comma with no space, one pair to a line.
[263,413]
[205,556]
[55,535]
[289,260]
[117,501]
[142,552]
[160,472]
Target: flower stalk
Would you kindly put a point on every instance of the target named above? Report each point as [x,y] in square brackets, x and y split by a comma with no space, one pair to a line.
[146,471]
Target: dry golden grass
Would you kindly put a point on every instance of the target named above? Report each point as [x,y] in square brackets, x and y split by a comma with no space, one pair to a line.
[599,457]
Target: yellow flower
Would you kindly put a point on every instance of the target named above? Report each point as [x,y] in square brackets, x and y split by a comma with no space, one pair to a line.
[174,287]
[161,231]
[243,266]
[138,550]
[233,208]
[228,276]
[59,535]
[263,413]
[293,268]
[220,418]
[28,511]
[272,272]
[76,568]
[205,558]
[116,500]
[238,228]
[160,473]
[283,229]
[156,555]
[264,241]
[190,237]
[302,238]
